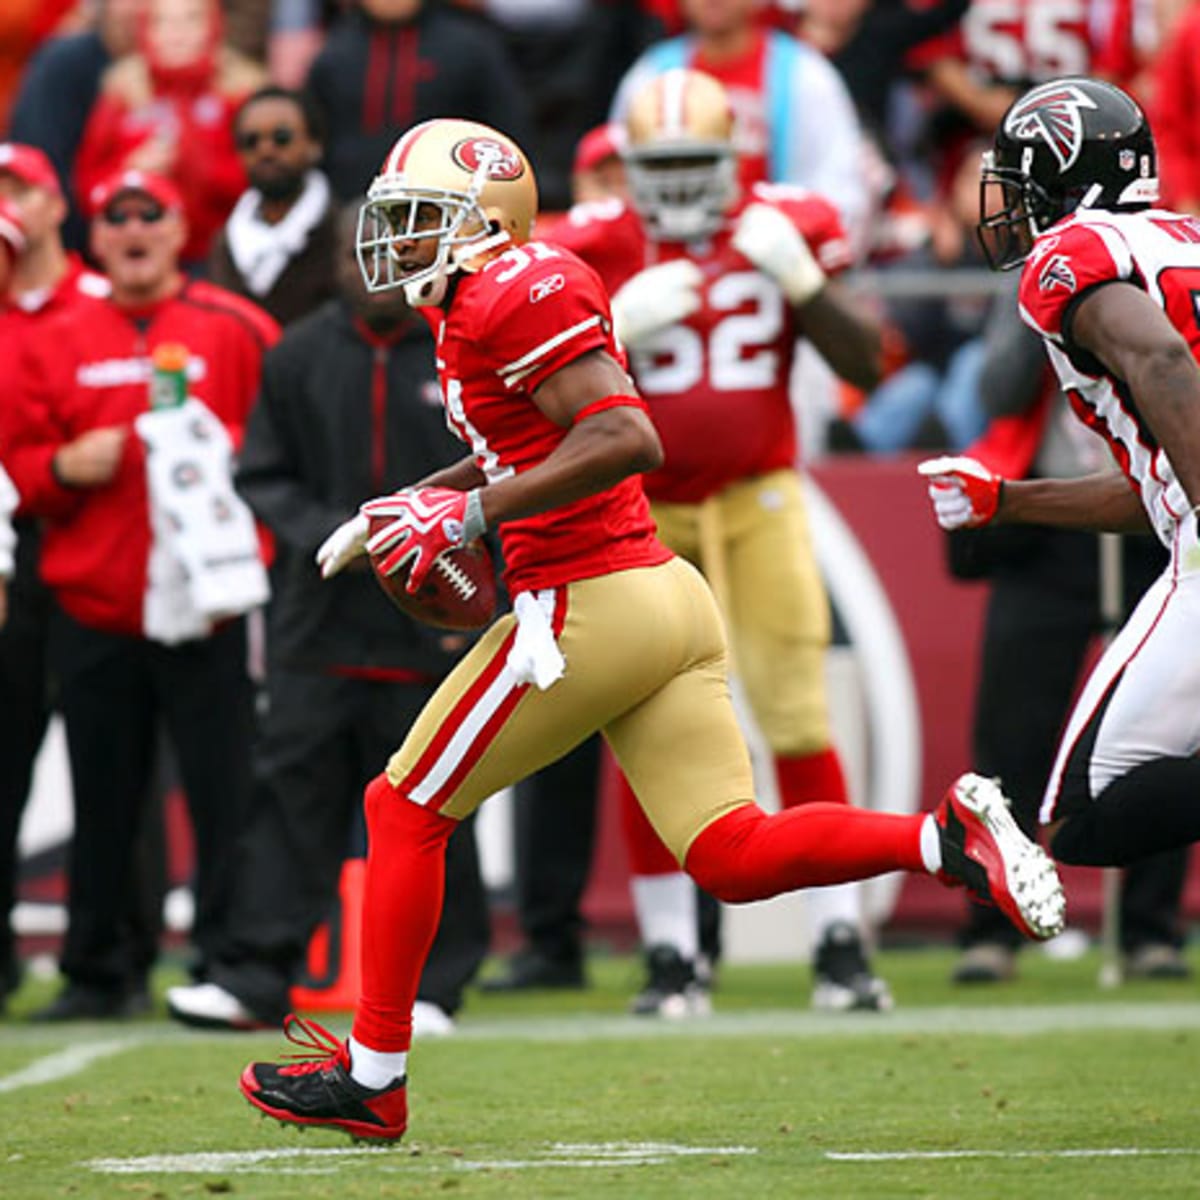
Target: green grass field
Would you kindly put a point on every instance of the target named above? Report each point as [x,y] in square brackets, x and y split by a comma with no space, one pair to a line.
[1047,1087]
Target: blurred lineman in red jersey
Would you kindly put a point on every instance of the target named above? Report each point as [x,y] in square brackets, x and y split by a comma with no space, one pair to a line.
[712,285]
[610,630]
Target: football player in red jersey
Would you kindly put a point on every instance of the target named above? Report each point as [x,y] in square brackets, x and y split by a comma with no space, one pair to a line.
[1111,284]
[711,287]
[610,630]
[1003,46]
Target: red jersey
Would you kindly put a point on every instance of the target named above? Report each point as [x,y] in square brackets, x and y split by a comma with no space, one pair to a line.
[717,383]
[1157,251]
[89,367]
[1018,41]
[507,329]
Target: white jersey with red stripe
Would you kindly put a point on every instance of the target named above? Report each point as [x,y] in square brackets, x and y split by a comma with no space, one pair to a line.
[1157,251]
[726,368]
[507,328]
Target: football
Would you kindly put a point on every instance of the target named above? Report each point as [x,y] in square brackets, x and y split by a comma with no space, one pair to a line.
[458,593]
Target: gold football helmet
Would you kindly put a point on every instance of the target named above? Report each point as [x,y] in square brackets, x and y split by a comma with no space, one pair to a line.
[449,191]
[679,154]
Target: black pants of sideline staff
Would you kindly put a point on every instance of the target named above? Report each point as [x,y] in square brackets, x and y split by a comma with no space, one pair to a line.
[323,739]
[24,712]
[114,694]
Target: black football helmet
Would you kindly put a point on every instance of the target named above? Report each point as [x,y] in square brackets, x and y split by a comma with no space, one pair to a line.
[1067,144]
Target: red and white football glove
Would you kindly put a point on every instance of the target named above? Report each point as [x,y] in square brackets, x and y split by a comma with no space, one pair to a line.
[424,523]
[965,494]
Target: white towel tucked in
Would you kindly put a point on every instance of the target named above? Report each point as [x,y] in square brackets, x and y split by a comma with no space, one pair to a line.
[204,562]
[535,656]
[8,539]
[260,251]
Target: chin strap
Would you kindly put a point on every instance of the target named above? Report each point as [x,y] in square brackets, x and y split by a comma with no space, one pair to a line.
[463,257]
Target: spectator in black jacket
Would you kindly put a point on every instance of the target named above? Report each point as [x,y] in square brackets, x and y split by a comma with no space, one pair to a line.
[389,64]
[349,408]
[279,245]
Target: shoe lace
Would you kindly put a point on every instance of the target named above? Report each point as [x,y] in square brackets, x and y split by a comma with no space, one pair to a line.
[320,1049]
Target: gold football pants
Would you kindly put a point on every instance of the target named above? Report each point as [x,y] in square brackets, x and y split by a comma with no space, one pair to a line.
[645,664]
[752,543]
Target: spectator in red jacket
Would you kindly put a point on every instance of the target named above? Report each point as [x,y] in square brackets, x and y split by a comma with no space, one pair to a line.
[168,109]
[1176,127]
[133,643]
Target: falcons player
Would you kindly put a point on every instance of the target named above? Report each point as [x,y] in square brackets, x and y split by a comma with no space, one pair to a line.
[711,287]
[610,631]
[1113,286]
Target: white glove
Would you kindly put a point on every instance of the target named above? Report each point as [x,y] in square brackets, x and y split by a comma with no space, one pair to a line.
[343,545]
[777,248]
[8,539]
[965,494]
[654,299]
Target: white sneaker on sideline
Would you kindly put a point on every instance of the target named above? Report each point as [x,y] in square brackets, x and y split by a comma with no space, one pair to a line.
[210,1006]
[429,1020]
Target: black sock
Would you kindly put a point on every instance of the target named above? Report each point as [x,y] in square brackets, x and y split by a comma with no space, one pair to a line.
[1154,807]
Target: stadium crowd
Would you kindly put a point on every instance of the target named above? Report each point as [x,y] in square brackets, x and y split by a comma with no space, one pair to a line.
[175,172]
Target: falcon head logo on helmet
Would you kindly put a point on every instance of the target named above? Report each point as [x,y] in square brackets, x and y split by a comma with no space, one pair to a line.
[1054,114]
[679,155]
[449,194]
[1064,145]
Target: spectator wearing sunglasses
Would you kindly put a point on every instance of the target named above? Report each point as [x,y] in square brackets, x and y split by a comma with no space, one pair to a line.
[167,109]
[131,646]
[279,245]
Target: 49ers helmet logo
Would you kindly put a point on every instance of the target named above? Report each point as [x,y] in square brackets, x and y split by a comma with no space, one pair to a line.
[1055,115]
[502,161]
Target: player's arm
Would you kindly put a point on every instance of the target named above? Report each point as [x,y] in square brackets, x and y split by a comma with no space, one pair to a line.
[846,338]
[849,341]
[1100,503]
[604,443]
[462,476]
[1131,336]
[965,495]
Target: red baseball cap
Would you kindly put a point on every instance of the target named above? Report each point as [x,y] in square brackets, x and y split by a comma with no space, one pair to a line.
[605,141]
[12,232]
[30,165]
[157,187]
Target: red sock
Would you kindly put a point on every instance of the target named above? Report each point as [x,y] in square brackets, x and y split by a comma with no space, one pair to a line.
[647,853]
[747,855]
[402,902]
[803,778]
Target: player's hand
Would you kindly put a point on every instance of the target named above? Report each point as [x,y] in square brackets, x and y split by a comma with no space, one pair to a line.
[423,523]
[655,299]
[343,545]
[965,494]
[92,459]
[777,248]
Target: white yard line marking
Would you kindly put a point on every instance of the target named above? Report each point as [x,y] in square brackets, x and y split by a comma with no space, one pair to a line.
[67,1062]
[873,1156]
[301,1161]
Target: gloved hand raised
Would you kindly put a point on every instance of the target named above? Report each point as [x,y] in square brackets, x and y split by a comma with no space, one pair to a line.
[655,299]
[777,248]
[965,494]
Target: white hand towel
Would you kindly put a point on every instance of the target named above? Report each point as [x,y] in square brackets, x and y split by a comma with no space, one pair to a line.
[535,656]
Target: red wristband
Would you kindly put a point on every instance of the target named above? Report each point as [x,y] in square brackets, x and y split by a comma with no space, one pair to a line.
[607,402]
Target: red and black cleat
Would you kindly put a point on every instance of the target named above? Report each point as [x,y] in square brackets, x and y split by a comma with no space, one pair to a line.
[983,848]
[316,1088]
